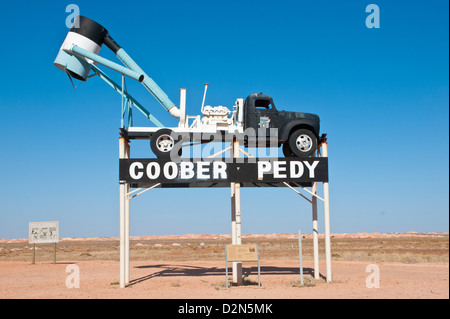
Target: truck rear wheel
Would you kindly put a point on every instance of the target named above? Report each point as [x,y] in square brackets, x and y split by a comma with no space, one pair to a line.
[303,143]
[287,150]
[164,144]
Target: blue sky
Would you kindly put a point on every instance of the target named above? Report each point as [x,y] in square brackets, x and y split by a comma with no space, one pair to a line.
[382,95]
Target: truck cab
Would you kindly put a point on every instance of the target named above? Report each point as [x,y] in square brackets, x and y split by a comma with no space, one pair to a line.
[298,132]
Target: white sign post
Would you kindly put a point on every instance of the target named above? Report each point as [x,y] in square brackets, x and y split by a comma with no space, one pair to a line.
[43,233]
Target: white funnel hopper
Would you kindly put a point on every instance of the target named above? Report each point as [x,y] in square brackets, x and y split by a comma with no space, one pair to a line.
[89,35]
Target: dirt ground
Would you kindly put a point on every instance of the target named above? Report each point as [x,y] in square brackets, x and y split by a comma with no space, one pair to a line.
[194,268]
[206,279]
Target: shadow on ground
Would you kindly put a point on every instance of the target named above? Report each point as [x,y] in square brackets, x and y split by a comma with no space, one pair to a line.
[188,270]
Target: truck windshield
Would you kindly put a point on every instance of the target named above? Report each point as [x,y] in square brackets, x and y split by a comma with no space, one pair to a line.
[264,104]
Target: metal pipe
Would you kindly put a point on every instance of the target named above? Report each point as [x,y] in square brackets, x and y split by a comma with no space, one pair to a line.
[145,190]
[127,223]
[226,266]
[315,234]
[312,193]
[287,184]
[182,122]
[236,216]
[149,84]
[204,96]
[300,253]
[218,153]
[122,199]
[326,205]
[233,225]
[259,266]
[120,90]
[138,76]
[240,105]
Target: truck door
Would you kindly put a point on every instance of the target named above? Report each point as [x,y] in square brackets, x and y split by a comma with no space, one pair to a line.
[263,117]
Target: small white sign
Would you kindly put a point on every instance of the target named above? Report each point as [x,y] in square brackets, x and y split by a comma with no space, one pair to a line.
[43,232]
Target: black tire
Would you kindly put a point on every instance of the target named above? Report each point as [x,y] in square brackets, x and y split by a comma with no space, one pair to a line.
[303,143]
[287,150]
[164,143]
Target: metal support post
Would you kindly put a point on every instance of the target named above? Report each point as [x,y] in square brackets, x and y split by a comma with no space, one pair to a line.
[127,223]
[326,205]
[236,216]
[315,233]
[122,235]
[124,220]
[315,229]
[259,266]
[182,122]
[226,266]
[300,254]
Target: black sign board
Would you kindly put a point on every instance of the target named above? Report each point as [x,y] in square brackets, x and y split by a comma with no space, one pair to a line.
[249,172]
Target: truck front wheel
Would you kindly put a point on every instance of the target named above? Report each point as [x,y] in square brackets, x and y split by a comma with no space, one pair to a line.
[303,143]
[287,150]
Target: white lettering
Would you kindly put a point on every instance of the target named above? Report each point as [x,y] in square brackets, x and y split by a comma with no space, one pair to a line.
[202,168]
[246,308]
[263,167]
[277,169]
[170,166]
[133,173]
[187,170]
[206,310]
[157,170]
[220,169]
[296,165]
[225,308]
[311,167]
